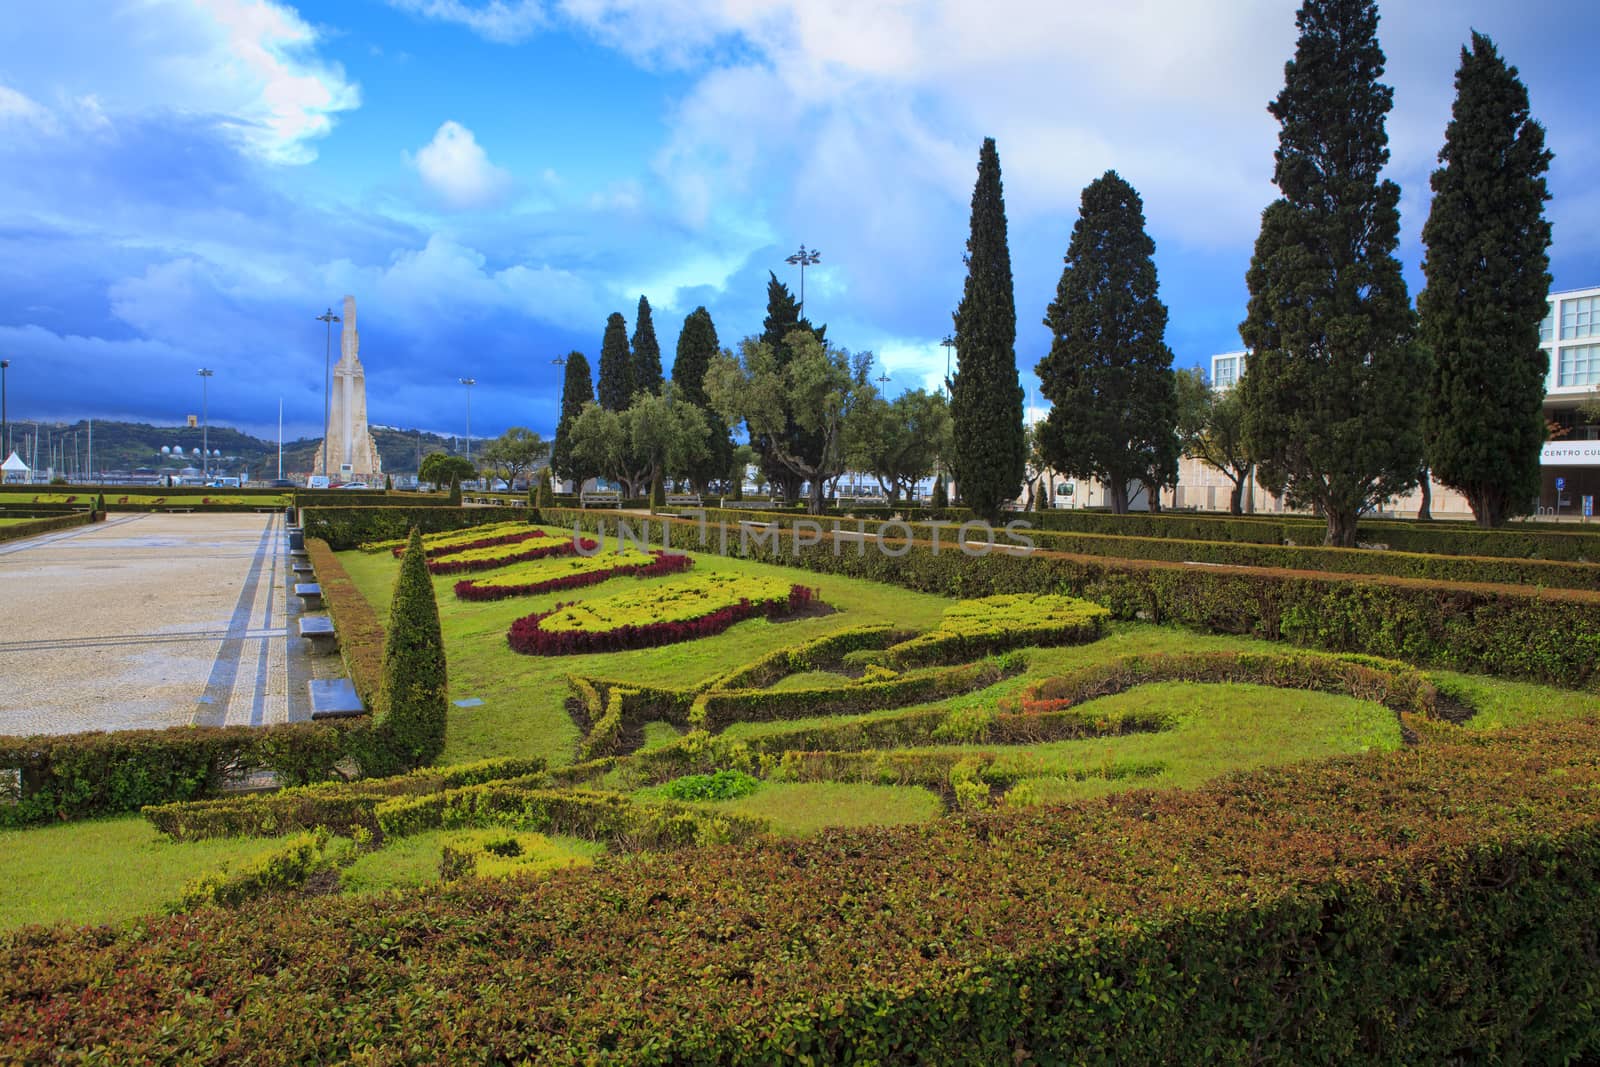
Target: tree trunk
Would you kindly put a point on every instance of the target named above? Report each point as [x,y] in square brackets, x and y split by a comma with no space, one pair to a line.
[1117,490]
[1341,528]
[1153,495]
[1425,510]
[1488,506]
[815,505]
[1236,498]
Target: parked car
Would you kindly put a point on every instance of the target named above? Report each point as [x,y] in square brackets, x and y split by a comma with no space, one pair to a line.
[355,485]
[281,483]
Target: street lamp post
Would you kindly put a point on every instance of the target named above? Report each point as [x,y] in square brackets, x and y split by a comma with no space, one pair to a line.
[469,383]
[5,425]
[328,318]
[804,258]
[205,374]
[559,361]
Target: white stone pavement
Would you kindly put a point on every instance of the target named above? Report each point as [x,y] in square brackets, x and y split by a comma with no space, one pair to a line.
[152,621]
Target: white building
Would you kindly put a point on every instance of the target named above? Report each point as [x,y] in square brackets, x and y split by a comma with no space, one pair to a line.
[1571,461]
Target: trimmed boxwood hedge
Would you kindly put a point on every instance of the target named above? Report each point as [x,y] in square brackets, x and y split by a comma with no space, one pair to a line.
[622,823]
[1443,538]
[341,807]
[1425,905]
[349,527]
[46,525]
[1205,543]
[718,709]
[1549,635]
[79,776]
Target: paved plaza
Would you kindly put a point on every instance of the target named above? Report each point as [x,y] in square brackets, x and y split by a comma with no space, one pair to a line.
[152,621]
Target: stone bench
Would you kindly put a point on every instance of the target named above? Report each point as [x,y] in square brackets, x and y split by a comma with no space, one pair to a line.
[302,566]
[682,500]
[310,594]
[319,633]
[334,698]
[600,498]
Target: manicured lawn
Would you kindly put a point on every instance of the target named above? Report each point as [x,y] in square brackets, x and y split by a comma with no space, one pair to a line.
[524,697]
[104,870]
[1218,729]
[797,809]
[1503,703]
[414,860]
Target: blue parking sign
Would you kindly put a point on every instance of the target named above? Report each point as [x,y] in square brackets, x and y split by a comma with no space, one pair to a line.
[1561,483]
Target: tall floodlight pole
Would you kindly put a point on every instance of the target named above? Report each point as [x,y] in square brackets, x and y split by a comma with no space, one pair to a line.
[559,361]
[803,259]
[469,383]
[205,374]
[5,424]
[328,318]
[883,382]
[949,343]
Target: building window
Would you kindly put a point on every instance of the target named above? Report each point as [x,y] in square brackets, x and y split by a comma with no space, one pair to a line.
[1547,328]
[1579,317]
[1579,365]
[1224,372]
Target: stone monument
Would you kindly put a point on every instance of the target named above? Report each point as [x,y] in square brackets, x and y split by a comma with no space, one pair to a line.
[351,452]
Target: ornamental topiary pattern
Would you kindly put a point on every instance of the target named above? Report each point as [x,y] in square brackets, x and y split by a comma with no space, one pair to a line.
[411,705]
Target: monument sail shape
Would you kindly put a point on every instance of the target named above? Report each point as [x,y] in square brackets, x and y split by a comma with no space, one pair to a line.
[351,451]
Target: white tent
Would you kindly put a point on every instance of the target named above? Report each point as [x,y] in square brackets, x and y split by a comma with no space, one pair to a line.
[14,470]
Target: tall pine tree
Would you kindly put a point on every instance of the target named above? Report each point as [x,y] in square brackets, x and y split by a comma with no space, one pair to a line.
[1329,390]
[1488,278]
[1109,371]
[615,391]
[697,345]
[646,372]
[989,452]
[576,390]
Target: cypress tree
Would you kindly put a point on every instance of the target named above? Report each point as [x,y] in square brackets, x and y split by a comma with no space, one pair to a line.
[411,703]
[697,343]
[1487,266]
[985,395]
[1109,371]
[645,373]
[615,391]
[454,499]
[576,390]
[1329,390]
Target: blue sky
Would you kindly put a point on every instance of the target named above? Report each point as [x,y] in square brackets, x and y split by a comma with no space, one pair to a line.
[188,183]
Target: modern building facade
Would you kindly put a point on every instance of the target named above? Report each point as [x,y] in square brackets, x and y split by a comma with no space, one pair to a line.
[1570,459]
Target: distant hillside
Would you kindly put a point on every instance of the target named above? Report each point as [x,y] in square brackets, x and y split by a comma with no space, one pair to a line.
[126,445]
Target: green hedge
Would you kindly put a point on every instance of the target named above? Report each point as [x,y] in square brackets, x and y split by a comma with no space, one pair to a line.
[621,823]
[348,527]
[78,776]
[1429,905]
[605,734]
[340,807]
[45,525]
[718,709]
[1041,715]
[1454,539]
[1550,636]
[1205,540]
[285,867]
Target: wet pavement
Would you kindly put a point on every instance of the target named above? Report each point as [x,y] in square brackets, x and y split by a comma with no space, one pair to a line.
[152,621]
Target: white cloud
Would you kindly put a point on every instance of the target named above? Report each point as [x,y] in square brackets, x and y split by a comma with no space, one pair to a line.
[15,108]
[501,21]
[249,65]
[456,167]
